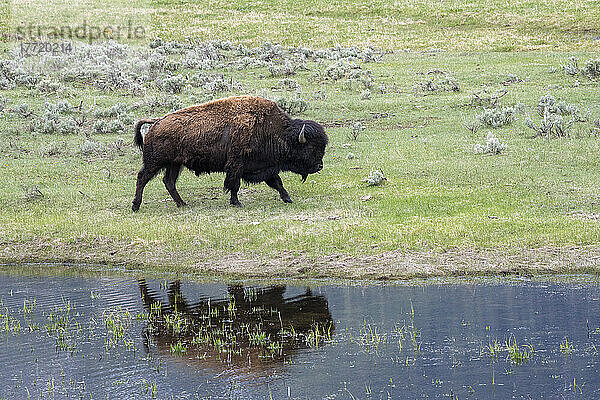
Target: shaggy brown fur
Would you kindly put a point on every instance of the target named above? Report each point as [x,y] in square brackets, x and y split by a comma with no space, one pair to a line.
[248,138]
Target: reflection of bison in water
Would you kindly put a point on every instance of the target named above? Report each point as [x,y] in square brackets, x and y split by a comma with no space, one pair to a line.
[251,331]
[248,138]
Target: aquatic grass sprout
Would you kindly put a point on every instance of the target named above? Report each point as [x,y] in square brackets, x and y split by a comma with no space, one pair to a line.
[566,347]
[492,145]
[178,349]
[318,335]
[516,354]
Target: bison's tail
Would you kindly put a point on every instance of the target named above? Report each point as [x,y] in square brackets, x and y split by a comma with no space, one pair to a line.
[138,138]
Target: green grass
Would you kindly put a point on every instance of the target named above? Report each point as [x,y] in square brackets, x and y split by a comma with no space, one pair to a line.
[483,24]
[438,195]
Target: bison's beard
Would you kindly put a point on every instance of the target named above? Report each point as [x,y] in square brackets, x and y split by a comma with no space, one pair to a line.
[304,176]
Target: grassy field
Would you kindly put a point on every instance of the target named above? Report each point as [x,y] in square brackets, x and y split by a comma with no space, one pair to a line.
[452,25]
[68,176]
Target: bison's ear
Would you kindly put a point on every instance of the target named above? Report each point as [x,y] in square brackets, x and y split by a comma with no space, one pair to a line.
[301,137]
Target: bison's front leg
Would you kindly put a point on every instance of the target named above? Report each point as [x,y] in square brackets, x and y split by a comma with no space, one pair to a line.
[276,183]
[170,178]
[232,184]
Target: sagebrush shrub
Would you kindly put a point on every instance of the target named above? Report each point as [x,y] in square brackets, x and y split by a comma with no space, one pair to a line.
[437,80]
[22,110]
[592,69]
[170,84]
[355,130]
[90,147]
[496,117]
[375,178]
[492,145]
[293,105]
[572,67]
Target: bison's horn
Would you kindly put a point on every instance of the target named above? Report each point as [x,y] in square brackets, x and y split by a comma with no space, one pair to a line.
[301,137]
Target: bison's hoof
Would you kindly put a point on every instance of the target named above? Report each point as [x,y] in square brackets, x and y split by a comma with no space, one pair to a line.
[236,203]
[287,199]
[182,204]
[135,207]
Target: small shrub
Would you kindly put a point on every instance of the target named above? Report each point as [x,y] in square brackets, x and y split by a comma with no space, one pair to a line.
[6,84]
[473,125]
[492,145]
[595,127]
[115,111]
[486,99]
[292,106]
[550,125]
[592,69]
[171,84]
[22,110]
[496,117]
[438,81]
[285,69]
[163,102]
[60,107]
[356,130]
[49,86]
[289,84]
[375,178]
[31,192]
[54,149]
[511,78]
[572,67]
[109,127]
[553,114]
[90,147]
[349,71]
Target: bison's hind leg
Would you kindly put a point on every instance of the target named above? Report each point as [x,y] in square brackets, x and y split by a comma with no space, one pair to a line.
[170,178]
[276,183]
[144,176]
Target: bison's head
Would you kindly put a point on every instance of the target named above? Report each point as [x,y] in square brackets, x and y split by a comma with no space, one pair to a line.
[307,141]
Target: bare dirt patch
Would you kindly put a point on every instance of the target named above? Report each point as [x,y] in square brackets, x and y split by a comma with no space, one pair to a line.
[391,265]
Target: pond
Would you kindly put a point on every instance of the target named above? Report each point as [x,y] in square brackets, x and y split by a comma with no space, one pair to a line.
[129,337]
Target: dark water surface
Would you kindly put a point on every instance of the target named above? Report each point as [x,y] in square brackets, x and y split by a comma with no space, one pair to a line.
[123,338]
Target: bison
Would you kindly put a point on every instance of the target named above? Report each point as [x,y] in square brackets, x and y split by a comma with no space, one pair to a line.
[245,137]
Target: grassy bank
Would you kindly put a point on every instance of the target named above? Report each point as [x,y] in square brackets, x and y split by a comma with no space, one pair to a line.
[68,169]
